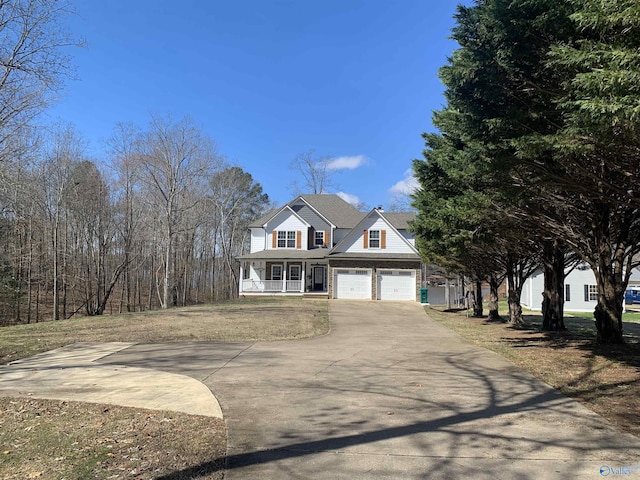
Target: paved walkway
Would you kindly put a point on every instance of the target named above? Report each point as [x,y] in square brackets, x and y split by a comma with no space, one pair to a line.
[388,394]
[75,373]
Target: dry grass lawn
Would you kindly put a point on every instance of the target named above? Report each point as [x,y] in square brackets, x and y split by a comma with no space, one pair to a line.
[605,378]
[49,439]
[273,318]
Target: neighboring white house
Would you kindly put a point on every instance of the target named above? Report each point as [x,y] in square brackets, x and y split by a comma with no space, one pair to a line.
[580,290]
[320,244]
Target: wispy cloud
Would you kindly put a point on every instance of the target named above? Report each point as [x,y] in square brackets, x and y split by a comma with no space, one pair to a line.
[407,185]
[352,199]
[346,163]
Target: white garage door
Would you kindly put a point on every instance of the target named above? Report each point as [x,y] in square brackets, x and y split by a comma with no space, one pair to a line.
[353,284]
[397,285]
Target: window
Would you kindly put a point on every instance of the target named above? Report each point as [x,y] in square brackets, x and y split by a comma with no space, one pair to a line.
[567,293]
[294,272]
[319,239]
[246,273]
[276,272]
[374,238]
[286,239]
[590,293]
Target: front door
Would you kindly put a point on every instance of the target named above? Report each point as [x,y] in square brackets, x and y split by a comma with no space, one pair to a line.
[318,279]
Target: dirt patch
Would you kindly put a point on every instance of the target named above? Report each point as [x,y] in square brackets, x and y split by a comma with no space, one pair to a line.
[50,439]
[604,378]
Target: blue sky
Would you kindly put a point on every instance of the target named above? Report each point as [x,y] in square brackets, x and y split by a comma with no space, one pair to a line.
[355,80]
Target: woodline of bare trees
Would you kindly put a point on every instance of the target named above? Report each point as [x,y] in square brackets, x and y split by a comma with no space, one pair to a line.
[157,224]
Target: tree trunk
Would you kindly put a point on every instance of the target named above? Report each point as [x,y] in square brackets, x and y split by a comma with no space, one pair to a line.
[477,300]
[494,314]
[553,295]
[56,297]
[612,271]
[515,291]
[608,311]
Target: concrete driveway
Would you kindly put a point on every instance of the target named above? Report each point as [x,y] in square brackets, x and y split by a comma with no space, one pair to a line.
[390,394]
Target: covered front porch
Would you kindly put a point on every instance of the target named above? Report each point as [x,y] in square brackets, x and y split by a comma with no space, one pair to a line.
[304,272]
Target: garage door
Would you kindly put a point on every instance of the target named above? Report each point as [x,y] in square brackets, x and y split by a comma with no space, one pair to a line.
[397,285]
[353,284]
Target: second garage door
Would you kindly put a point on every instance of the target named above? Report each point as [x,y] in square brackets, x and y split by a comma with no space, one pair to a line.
[352,284]
[397,285]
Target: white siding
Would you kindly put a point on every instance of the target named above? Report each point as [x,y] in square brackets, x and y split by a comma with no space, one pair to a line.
[287,221]
[395,243]
[577,279]
[339,234]
[257,239]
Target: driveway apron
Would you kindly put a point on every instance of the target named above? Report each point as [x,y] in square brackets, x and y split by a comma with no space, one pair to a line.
[390,394]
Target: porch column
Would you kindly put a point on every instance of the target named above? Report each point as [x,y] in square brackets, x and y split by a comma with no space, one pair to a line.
[284,277]
[303,277]
[241,279]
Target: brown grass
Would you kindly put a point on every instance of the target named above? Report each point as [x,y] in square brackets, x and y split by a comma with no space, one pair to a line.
[274,318]
[50,439]
[605,378]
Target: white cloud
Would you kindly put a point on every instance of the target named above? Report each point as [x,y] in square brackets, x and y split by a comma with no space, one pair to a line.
[346,163]
[407,185]
[347,197]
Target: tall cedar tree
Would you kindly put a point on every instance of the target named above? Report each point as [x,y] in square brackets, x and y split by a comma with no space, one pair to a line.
[487,104]
[560,127]
[599,145]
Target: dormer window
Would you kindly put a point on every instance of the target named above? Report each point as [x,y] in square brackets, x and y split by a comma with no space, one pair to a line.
[319,239]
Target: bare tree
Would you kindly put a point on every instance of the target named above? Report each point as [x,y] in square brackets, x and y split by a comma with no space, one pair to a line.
[237,201]
[33,61]
[65,149]
[315,172]
[176,159]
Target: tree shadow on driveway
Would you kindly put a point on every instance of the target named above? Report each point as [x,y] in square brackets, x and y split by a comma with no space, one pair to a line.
[500,423]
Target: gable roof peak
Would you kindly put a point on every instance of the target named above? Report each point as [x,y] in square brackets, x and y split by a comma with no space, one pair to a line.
[334,208]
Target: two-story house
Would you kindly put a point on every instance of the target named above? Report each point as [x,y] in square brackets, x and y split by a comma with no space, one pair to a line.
[320,244]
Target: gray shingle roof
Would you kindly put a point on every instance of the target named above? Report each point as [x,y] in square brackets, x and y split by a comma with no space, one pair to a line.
[400,220]
[376,256]
[339,212]
[286,254]
[265,218]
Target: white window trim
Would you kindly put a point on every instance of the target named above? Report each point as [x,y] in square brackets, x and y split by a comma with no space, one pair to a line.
[291,267]
[315,239]
[288,236]
[376,239]
[277,265]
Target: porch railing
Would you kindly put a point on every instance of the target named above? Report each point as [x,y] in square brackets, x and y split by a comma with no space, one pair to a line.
[250,285]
